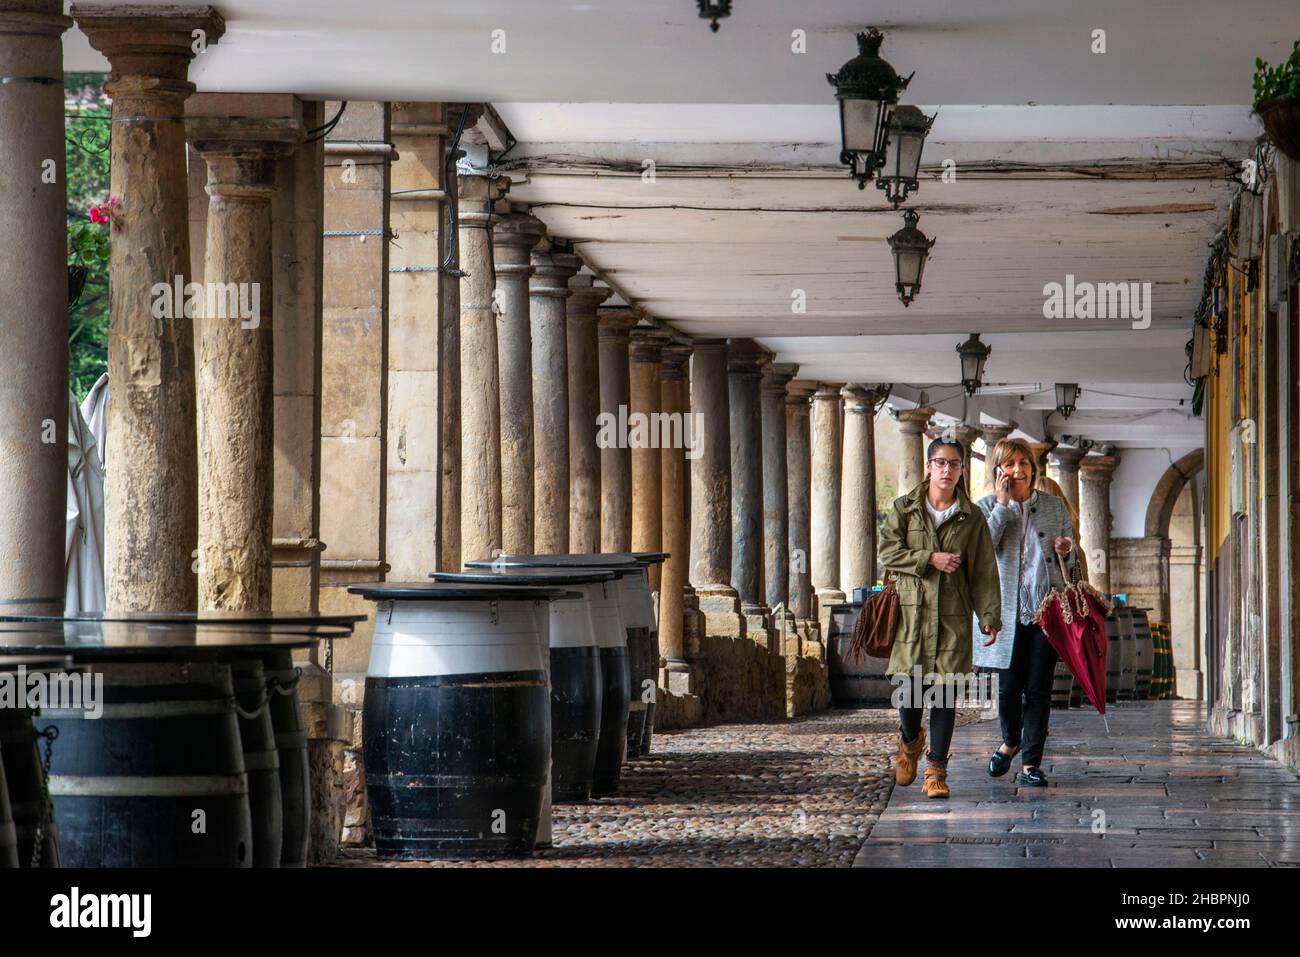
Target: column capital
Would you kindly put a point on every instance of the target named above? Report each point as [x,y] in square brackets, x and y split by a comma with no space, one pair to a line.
[674,359]
[914,421]
[148,48]
[35,21]
[616,322]
[1040,453]
[242,152]
[1067,459]
[776,379]
[993,434]
[513,237]
[965,433]
[585,296]
[1098,468]
[648,343]
[471,112]
[699,346]
[858,400]
[552,270]
[827,392]
[799,394]
[476,199]
[746,358]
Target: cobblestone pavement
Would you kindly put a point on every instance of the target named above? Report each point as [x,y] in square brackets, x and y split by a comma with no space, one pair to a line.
[799,793]
[1155,791]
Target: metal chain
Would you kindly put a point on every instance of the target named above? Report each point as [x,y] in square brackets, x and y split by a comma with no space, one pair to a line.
[329,655]
[49,734]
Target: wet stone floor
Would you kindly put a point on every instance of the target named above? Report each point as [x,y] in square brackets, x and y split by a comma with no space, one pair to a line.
[800,793]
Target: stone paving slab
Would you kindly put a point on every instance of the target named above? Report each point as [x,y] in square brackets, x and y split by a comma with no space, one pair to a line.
[1168,794]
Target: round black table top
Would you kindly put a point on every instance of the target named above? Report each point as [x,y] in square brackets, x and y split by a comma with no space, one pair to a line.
[35,662]
[456,591]
[520,575]
[621,564]
[105,640]
[220,617]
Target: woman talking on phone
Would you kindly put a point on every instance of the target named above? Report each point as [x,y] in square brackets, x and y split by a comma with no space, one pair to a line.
[937,545]
[1028,526]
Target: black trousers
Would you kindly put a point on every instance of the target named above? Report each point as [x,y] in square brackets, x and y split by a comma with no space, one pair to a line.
[1025,693]
[943,719]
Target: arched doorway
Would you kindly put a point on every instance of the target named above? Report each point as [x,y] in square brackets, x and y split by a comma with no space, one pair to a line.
[1174,521]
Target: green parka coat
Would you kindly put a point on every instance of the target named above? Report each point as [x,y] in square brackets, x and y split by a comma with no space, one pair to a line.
[934,627]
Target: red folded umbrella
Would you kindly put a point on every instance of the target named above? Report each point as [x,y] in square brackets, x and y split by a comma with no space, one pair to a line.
[1074,621]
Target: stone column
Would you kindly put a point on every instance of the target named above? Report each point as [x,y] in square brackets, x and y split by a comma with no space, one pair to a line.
[711,491]
[417,316]
[798,463]
[354,374]
[676,530]
[745,377]
[1040,450]
[1095,473]
[858,491]
[826,499]
[449,419]
[236,407]
[151,493]
[548,293]
[513,240]
[647,468]
[584,411]
[776,493]
[966,435]
[34,317]
[480,386]
[1184,620]
[297,211]
[911,451]
[615,457]
[992,435]
[1065,463]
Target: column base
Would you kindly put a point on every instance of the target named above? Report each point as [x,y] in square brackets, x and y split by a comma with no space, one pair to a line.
[692,623]
[823,598]
[760,627]
[720,606]
[677,676]
[1188,683]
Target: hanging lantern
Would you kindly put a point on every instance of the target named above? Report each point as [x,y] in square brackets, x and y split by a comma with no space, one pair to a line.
[911,248]
[714,11]
[1067,394]
[867,89]
[908,127]
[973,355]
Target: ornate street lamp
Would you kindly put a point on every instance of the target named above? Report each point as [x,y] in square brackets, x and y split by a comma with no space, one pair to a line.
[973,356]
[867,88]
[714,11]
[908,127]
[1067,393]
[911,248]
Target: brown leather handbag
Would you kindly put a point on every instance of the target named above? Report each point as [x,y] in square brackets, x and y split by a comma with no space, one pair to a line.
[873,632]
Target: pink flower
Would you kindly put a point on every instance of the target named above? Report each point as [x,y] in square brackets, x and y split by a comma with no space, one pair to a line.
[97,215]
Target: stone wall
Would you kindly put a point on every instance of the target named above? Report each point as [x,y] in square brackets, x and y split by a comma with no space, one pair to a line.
[1139,567]
[739,680]
[807,685]
[676,711]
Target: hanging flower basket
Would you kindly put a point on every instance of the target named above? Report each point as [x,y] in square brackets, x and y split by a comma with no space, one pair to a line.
[1281,118]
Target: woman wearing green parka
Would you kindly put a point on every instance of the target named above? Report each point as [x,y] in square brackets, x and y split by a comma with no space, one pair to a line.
[937,544]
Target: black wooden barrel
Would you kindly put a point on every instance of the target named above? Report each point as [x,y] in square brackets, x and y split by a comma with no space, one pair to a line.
[575,673]
[261,760]
[1062,680]
[1113,662]
[20,758]
[291,748]
[1143,654]
[456,723]
[854,681]
[158,780]
[8,833]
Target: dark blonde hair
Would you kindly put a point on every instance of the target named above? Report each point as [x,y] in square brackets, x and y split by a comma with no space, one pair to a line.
[1009,448]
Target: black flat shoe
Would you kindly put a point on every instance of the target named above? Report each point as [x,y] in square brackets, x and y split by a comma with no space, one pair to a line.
[1032,779]
[1000,763]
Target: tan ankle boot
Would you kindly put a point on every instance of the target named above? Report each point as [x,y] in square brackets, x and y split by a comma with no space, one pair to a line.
[908,755]
[936,782]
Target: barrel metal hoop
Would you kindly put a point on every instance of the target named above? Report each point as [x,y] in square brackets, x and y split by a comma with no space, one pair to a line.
[261,760]
[148,709]
[64,785]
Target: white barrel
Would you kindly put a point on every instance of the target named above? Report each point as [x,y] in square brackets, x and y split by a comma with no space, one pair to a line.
[606,606]
[417,638]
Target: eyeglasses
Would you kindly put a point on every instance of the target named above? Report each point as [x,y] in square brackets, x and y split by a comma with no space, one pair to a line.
[953,464]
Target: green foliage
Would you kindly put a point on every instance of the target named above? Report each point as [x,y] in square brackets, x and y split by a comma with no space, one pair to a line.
[86,128]
[1283,80]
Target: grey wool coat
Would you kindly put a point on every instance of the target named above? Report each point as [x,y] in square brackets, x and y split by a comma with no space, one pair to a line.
[1051,519]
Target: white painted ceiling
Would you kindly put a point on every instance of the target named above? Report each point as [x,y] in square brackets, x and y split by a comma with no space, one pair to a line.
[748,203]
